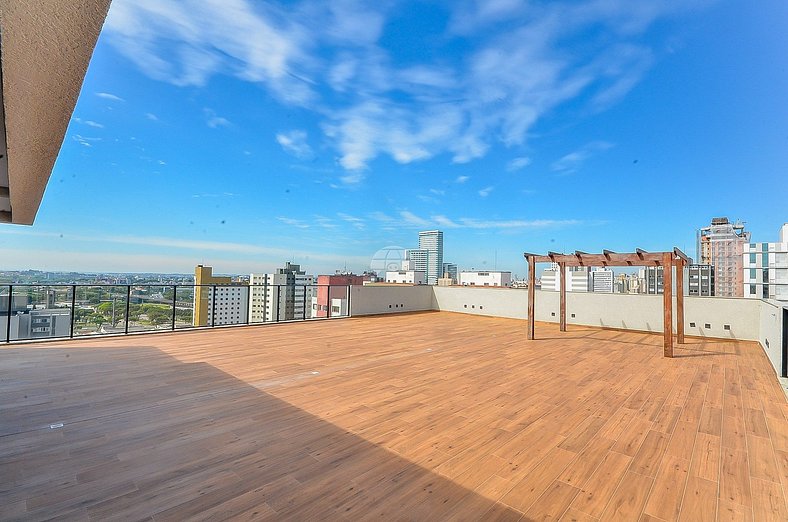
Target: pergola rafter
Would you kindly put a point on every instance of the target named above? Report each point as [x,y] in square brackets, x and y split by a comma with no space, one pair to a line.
[607,258]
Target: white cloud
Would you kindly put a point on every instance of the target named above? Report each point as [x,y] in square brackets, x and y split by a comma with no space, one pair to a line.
[486,191]
[462,179]
[109,96]
[214,121]
[295,143]
[89,123]
[518,163]
[151,116]
[413,219]
[522,62]
[571,162]
[293,222]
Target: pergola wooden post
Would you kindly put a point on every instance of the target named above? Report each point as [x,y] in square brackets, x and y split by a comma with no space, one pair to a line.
[680,262]
[667,260]
[667,300]
[562,322]
[531,295]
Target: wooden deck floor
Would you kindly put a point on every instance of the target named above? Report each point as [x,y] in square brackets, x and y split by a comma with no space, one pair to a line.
[432,416]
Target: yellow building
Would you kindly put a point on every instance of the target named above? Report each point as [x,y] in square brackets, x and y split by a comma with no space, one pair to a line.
[203,275]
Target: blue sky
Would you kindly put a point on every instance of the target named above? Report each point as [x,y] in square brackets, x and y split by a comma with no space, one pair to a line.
[242,134]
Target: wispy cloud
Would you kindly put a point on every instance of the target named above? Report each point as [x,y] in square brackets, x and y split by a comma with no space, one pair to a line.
[462,179]
[109,96]
[329,59]
[85,140]
[570,163]
[518,163]
[411,220]
[293,222]
[295,143]
[151,116]
[486,191]
[89,123]
[213,120]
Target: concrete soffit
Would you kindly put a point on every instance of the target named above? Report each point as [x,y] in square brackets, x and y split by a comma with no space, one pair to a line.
[45,49]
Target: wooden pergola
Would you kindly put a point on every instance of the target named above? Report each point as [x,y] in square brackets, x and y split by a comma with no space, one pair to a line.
[667,260]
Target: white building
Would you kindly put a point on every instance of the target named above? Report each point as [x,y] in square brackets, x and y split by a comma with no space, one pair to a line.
[485,278]
[602,280]
[431,241]
[284,295]
[766,268]
[577,278]
[412,277]
[229,306]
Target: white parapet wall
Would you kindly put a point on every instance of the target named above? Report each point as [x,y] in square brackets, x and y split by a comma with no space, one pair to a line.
[389,299]
[716,317]
[772,330]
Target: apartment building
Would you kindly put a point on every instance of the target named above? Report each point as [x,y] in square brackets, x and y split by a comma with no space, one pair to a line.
[218,300]
[765,268]
[721,245]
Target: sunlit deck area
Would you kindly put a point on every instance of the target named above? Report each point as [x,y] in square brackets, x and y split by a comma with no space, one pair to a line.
[426,416]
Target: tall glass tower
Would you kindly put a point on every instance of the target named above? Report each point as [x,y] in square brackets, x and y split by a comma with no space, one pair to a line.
[432,242]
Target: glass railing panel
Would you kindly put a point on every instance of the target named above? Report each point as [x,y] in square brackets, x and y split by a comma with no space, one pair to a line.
[150,308]
[100,309]
[37,312]
[184,307]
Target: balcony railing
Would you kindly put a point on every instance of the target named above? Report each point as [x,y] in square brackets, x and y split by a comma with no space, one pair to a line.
[58,311]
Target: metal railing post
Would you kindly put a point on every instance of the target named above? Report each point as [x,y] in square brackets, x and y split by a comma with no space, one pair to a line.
[128,306]
[73,308]
[248,301]
[304,300]
[328,300]
[10,304]
[278,300]
[174,300]
[348,300]
[213,307]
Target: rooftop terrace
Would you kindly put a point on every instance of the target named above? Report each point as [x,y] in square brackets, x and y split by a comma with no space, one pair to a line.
[411,416]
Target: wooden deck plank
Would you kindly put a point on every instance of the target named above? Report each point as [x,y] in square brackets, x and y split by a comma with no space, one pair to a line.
[424,416]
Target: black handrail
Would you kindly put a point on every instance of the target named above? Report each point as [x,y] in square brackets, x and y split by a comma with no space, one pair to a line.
[79,319]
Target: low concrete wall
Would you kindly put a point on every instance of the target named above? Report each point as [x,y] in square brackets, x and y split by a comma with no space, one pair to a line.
[381,299]
[497,302]
[771,332]
[717,317]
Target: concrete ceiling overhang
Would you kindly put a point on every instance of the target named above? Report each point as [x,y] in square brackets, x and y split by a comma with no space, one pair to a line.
[45,49]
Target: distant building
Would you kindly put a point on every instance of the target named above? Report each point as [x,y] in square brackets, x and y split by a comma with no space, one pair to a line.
[39,323]
[652,277]
[765,268]
[332,293]
[413,277]
[415,259]
[601,280]
[628,284]
[431,241]
[283,295]
[577,278]
[485,278]
[218,300]
[699,281]
[450,270]
[722,245]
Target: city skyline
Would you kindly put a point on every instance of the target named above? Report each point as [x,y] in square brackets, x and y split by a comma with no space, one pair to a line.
[189,148]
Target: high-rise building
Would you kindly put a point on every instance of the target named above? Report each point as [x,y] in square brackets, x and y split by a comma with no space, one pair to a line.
[431,241]
[284,295]
[721,245]
[218,300]
[451,270]
[601,280]
[765,268]
[415,259]
[576,278]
